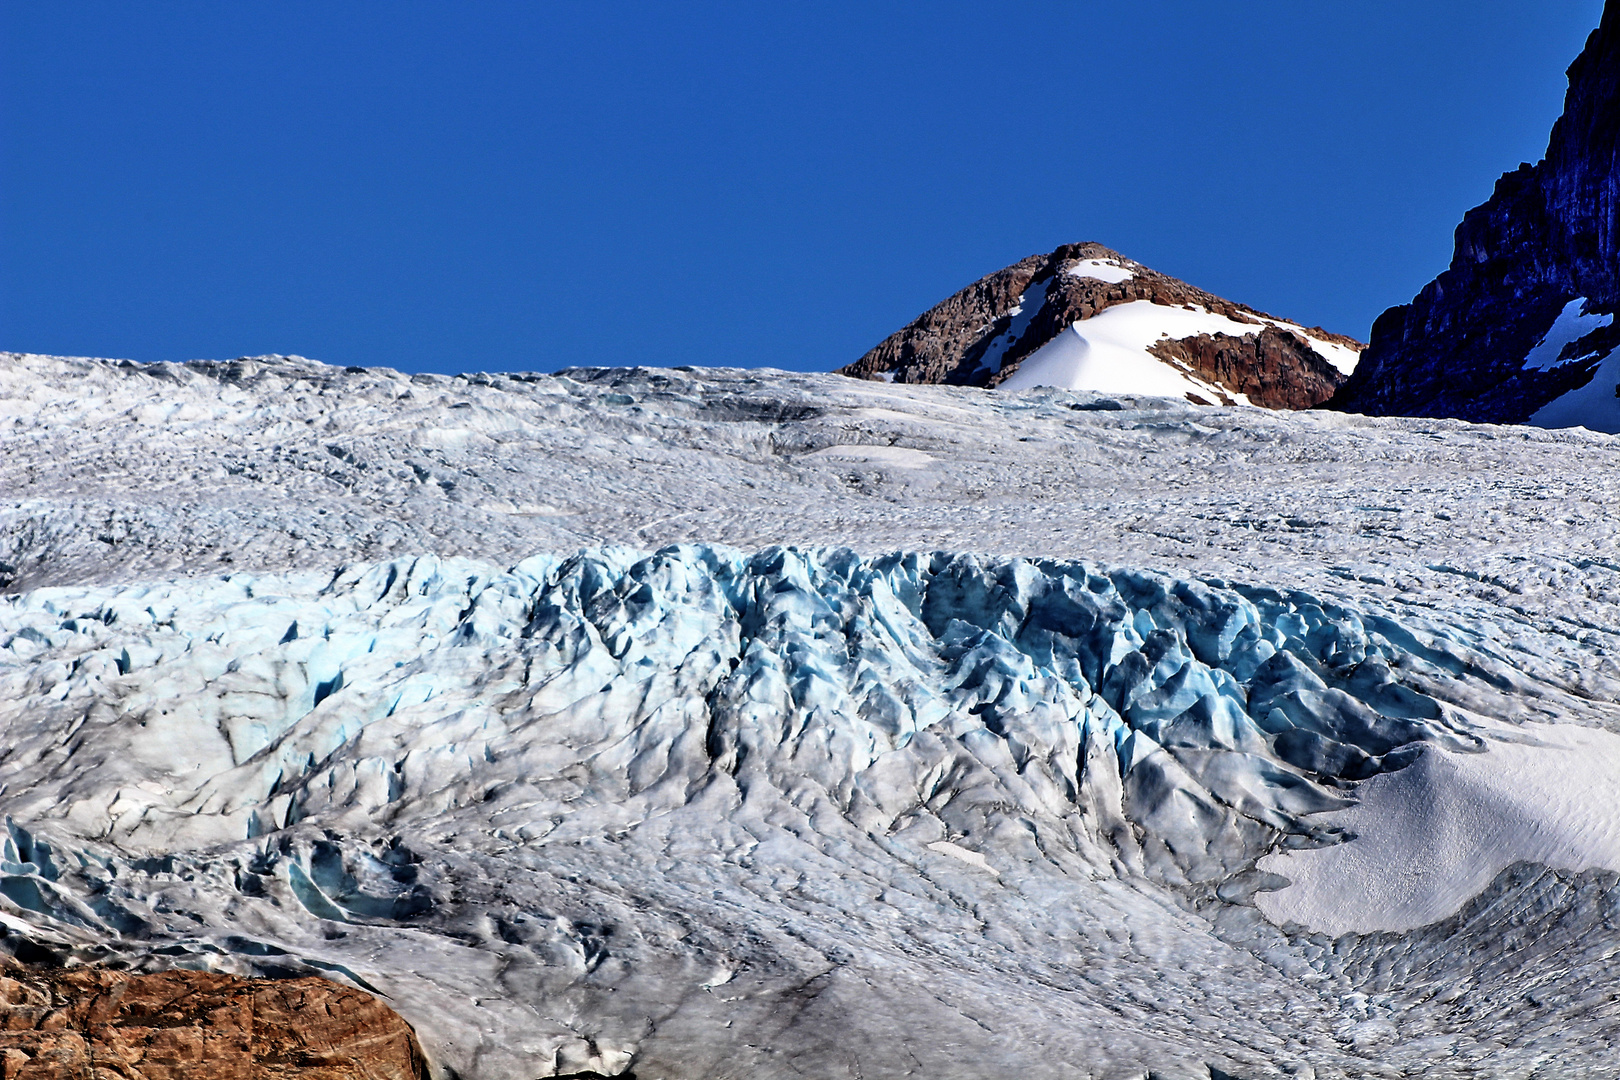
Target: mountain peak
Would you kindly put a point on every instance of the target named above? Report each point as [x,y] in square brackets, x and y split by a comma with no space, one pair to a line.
[1085,317]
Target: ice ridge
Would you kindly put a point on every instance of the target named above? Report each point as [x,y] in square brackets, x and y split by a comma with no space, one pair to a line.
[820,660]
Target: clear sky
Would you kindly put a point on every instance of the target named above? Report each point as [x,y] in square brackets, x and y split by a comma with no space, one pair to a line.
[526,185]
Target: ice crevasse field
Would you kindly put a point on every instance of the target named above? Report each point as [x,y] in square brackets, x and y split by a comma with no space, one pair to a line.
[733,723]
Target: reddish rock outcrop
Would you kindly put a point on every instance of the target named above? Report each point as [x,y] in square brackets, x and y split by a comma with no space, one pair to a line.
[1550,233]
[977,337]
[97,1024]
[1274,368]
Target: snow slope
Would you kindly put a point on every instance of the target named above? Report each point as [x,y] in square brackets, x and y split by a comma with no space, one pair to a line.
[1594,406]
[1432,836]
[496,695]
[1108,353]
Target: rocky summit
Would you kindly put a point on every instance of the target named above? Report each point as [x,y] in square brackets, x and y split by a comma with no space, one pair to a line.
[1521,327]
[1084,317]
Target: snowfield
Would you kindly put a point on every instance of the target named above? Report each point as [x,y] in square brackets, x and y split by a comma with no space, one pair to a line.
[704,723]
[1108,353]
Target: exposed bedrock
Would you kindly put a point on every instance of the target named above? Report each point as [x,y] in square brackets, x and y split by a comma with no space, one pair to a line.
[706,813]
[1274,368]
[1548,237]
[91,1023]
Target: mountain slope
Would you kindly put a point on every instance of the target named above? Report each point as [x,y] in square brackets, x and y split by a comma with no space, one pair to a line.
[1086,318]
[1521,327]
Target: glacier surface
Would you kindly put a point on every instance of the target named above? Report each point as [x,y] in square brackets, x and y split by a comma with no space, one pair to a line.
[660,722]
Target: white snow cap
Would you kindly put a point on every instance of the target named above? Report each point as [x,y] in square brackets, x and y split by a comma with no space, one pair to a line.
[1110,270]
[1108,353]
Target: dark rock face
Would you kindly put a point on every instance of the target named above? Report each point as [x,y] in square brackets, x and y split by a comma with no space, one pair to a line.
[979,337]
[100,1024]
[1549,235]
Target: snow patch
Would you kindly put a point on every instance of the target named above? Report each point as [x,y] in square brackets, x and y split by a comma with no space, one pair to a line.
[903,457]
[1433,835]
[1107,353]
[1595,406]
[1571,325]
[1101,270]
[1030,302]
[1342,357]
[956,851]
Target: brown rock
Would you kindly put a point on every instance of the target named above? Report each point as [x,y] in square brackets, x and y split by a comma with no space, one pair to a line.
[98,1024]
[944,343]
[1275,368]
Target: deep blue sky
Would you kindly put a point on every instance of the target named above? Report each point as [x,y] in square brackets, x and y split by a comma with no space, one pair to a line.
[489,186]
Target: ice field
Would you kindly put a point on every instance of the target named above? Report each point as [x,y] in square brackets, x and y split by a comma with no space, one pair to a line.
[745,723]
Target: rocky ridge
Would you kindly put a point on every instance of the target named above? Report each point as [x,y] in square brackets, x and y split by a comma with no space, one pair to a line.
[982,335]
[1536,265]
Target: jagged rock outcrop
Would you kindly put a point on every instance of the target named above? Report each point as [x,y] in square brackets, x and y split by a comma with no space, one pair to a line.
[1521,326]
[101,1024]
[1275,368]
[1164,336]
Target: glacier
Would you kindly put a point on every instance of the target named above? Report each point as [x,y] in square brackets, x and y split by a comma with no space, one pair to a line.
[484,694]
[638,791]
